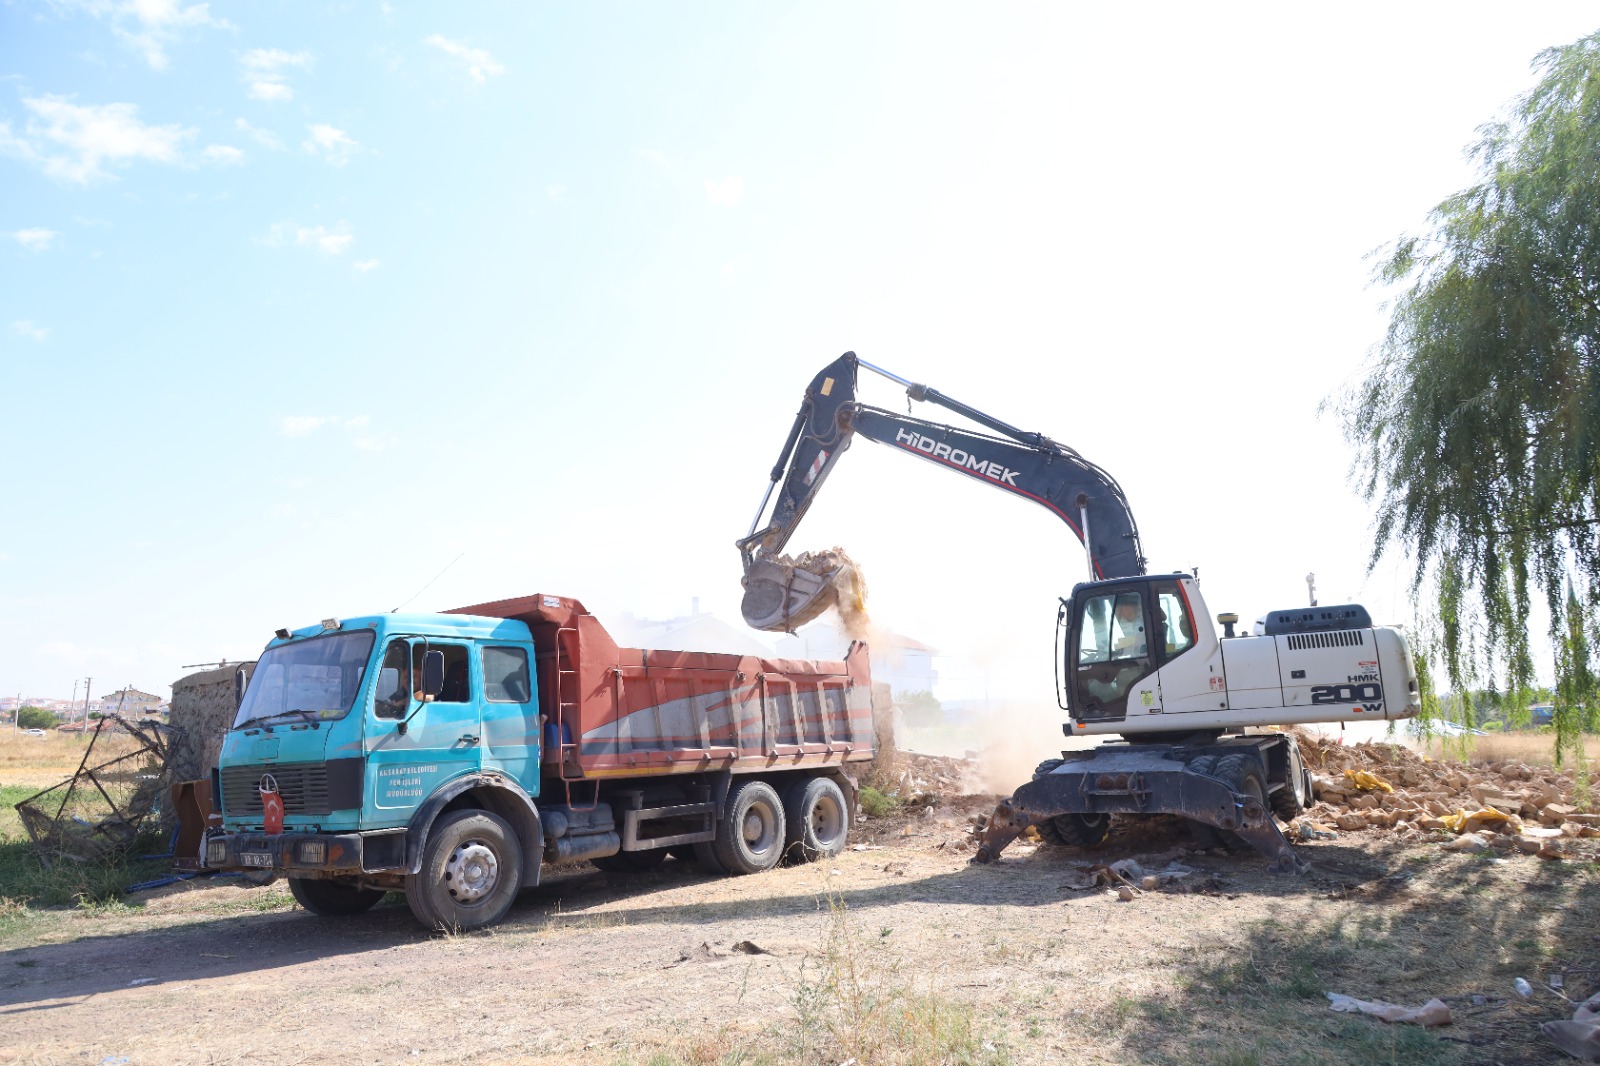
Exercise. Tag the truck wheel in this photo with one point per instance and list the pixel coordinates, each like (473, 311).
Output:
(333, 899)
(631, 862)
(1291, 801)
(1076, 830)
(471, 869)
(705, 853)
(817, 820)
(750, 835)
(1243, 774)
(1046, 766)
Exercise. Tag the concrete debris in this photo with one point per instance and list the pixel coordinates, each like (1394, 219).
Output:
(1508, 805)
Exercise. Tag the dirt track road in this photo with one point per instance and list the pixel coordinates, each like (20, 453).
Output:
(902, 952)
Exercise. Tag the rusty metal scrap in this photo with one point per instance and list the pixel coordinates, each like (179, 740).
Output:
(98, 811)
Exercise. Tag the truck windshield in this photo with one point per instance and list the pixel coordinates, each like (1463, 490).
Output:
(316, 678)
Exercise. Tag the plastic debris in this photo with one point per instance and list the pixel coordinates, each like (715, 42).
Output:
(1524, 989)
(1580, 1037)
(1367, 781)
(1434, 1012)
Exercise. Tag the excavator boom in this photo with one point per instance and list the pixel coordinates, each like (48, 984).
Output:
(779, 594)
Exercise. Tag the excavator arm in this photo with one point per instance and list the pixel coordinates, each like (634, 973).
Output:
(781, 593)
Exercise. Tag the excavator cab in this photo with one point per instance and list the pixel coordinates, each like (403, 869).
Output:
(1115, 634)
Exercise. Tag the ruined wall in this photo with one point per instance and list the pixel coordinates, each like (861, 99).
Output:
(202, 709)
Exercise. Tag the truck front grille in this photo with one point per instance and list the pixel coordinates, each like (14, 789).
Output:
(303, 786)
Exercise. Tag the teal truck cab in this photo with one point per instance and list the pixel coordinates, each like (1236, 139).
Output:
(450, 756)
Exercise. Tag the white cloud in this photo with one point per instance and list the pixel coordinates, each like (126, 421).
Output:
(301, 425)
(327, 241)
(265, 138)
(24, 328)
(365, 266)
(150, 27)
(480, 64)
(306, 425)
(35, 240)
(334, 145)
(725, 193)
(271, 91)
(223, 154)
(73, 142)
(265, 69)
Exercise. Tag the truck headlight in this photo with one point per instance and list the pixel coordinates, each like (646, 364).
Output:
(311, 852)
(216, 852)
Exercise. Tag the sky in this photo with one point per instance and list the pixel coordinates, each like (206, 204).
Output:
(302, 305)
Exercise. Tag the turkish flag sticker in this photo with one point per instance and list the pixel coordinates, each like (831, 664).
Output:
(271, 804)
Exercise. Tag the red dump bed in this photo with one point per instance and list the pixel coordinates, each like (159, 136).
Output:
(619, 712)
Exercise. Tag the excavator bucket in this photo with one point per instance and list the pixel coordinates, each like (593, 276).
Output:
(781, 594)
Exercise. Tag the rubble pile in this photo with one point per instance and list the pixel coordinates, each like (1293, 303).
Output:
(926, 780)
(1483, 804)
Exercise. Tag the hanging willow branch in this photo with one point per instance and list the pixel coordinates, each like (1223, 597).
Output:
(1478, 431)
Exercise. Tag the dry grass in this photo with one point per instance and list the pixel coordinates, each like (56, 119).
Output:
(52, 757)
(1532, 748)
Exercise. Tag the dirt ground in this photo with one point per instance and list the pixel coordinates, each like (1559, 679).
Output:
(897, 951)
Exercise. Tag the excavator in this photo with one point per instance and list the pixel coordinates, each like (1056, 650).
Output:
(1137, 657)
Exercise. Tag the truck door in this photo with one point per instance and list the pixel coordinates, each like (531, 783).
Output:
(441, 737)
(1113, 655)
(510, 714)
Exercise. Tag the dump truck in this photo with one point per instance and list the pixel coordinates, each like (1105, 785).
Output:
(452, 756)
(1136, 654)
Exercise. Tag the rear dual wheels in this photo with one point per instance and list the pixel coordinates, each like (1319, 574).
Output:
(751, 834)
(818, 819)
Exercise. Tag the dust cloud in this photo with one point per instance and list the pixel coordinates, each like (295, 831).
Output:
(1006, 740)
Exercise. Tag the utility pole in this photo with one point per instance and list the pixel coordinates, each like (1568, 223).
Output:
(88, 682)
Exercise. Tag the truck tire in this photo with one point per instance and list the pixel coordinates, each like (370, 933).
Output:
(1291, 801)
(705, 853)
(817, 820)
(1076, 830)
(471, 869)
(1243, 773)
(750, 835)
(631, 862)
(333, 899)
(1046, 766)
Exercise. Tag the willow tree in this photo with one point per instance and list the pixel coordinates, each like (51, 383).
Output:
(1478, 429)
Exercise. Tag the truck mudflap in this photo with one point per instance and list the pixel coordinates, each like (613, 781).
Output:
(1127, 782)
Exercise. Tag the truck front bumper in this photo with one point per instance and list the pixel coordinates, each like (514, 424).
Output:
(303, 854)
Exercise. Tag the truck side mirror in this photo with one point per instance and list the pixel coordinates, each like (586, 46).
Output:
(240, 680)
(433, 673)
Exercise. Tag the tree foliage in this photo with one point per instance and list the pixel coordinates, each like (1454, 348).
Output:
(36, 718)
(1478, 431)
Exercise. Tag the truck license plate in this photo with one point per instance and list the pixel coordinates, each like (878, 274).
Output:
(256, 858)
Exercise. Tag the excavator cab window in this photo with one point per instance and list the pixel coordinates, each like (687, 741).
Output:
(1113, 651)
(1174, 627)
